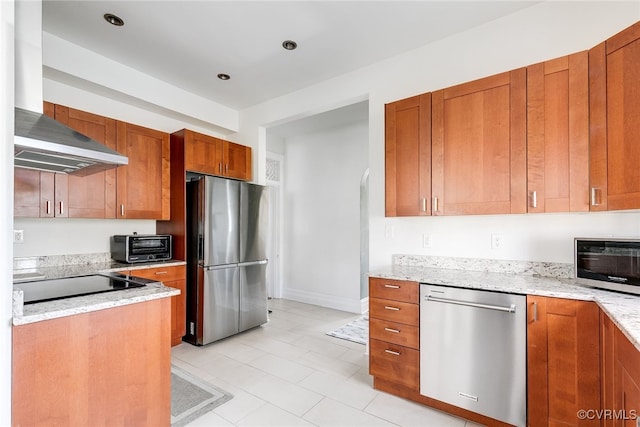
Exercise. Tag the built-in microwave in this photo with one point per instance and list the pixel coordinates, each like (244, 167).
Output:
(612, 264)
(141, 247)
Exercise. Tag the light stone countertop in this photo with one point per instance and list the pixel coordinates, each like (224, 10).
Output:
(623, 309)
(24, 314)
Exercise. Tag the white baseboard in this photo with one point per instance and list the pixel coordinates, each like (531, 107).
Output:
(364, 305)
(324, 300)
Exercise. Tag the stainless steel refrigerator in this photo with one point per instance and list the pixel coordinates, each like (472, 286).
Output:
(226, 258)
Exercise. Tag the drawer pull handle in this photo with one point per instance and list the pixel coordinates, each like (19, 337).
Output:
(395, 331)
(386, 307)
(392, 286)
(395, 353)
(161, 272)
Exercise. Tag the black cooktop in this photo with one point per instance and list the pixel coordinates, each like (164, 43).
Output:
(54, 289)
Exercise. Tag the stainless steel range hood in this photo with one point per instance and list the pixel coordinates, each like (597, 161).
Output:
(43, 143)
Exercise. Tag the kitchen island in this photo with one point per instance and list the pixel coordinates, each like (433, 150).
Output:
(100, 359)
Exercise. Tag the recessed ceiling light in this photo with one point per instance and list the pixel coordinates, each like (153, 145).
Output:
(223, 76)
(113, 19)
(289, 44)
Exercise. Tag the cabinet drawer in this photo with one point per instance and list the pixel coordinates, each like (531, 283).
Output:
(394, 311)
(397, 290)
(395, 362)
(161, 274)
(396, 333)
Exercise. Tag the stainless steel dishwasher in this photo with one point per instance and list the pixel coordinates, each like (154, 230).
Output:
(473, 351)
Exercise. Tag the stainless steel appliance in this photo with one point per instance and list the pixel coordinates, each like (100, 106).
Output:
(473, 351)
(226, 258)
(141, 247)
(612, 264)
(43, 143)
(67, 287)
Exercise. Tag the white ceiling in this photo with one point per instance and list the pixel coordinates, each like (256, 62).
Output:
(187, 43)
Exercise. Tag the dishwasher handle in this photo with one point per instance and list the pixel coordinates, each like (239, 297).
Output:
(510, 309)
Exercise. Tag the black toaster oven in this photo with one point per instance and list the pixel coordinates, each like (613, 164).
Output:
(133, 248)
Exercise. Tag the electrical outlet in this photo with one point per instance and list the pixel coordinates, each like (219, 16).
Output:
(426, 240)
(497, 241)
(18, 236)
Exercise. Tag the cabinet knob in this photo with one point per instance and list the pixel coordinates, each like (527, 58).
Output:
(395, 331)
(48, 207)
(386, 307)
(121, 210)
(392, 286)
(61, 208)
(395, 353)
(435, 204)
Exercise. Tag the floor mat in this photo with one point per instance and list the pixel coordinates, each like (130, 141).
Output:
(356, 331)
(192, 397)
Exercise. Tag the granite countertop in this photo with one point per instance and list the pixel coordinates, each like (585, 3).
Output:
(623, 309)
(24, 314)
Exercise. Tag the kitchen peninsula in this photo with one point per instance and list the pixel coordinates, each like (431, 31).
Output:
(93, 359)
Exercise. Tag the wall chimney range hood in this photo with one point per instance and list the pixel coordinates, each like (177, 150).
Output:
(45, 144)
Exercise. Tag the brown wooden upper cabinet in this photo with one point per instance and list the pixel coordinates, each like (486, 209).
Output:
(614, 86)
(143, 185)
(558, 134)
(479, 146)
(48, 195)
(408, 156)
(215, 156)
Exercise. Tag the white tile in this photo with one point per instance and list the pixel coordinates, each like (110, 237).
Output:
(328, 364)
(282, 368)
(321, 346)
(241, 376)
(210, 419)
(269, 415)
(287, 396)
(237, 350)
(340, 389)
(406, 413)
(332, 413)
(237, 408)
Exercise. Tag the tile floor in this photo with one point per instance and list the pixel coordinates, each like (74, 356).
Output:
(289, 373)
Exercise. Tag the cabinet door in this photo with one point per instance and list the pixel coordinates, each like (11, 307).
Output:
(626, 397)
(408, 157)
(40, 194)
(479, 146)
(173, 277)
(614, 80)
(558, 135)
(143, 185)
(563, 361)
(203, 153)
(93, 196)
(237, 161)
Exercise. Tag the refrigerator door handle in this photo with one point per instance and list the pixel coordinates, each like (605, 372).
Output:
(220, 267)
(248, 263)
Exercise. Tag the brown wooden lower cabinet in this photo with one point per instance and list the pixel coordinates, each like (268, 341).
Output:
(620, 366)
(109, 367)
(173, 277)
(563, 361)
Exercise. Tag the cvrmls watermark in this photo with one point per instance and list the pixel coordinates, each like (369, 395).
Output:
(607, 414)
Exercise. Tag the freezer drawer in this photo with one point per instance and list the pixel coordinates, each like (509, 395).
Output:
(220, 314)
(253, 294)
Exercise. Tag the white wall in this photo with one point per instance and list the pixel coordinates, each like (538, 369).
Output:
(64, 236)
(321, 218)
(6, 208)
(544, 31)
